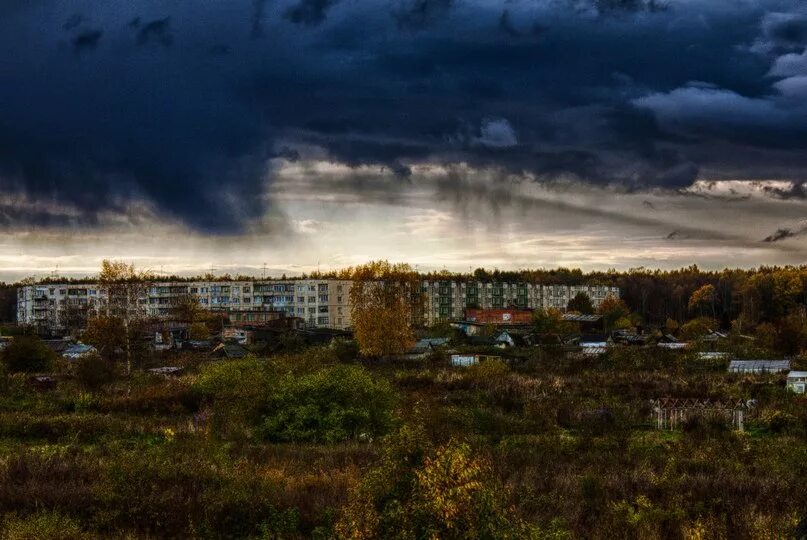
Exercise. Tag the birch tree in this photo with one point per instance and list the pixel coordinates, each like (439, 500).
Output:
(125, 290)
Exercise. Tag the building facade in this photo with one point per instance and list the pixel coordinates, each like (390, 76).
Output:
(447, 300)
(322, 303)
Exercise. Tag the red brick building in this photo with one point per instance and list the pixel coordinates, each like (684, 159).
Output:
(499, 316)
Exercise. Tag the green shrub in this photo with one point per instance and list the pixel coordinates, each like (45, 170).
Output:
(28, 354)
(237, 390)
(93, 372)
(332, 404)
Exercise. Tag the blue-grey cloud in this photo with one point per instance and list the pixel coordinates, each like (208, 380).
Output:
(181, 106)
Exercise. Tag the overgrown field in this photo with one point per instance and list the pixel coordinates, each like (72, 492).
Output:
(318, 445)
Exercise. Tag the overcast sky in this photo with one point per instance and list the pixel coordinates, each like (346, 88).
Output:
(190, 135)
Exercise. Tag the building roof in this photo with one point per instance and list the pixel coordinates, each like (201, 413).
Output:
(759, 365)
(581, 317)
(167, 370)
(77, 350)
(673, 345)
(431, 341)
(230, 350)
(797, 374)
(57, 345)
(592, 338)
(427, 344)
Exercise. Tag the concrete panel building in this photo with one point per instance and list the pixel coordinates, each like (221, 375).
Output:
(322, 303)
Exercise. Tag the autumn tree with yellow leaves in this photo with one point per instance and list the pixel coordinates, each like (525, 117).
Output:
(422, 492)
(125, 287)
(386, 302)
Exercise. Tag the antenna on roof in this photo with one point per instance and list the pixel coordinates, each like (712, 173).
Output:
(263, 276)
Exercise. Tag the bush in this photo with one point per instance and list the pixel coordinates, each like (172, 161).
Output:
(777, 421)
(237, 391)
(28, 354)
(332, 404)
(420, 493)
(488, 371)
(93, 372)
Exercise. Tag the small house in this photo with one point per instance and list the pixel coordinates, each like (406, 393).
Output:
(465, 360)
(759, 366)
(797, 381)
(713, 355)
(593, 340)
(514, 338)
(237, 334)
(79, 350)
(166, 370)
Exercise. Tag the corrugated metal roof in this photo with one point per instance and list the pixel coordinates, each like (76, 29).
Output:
(759, 365)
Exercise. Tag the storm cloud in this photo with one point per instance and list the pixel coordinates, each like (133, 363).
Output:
(181, 107)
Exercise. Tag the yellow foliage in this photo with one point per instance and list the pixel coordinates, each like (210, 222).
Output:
(448, 484)
(385, 300)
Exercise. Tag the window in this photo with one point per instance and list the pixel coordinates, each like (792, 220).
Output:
(301, 299)
(339, 299)
(323, 309)
(246, 290)
(322, 320)
(312, 299)
(323, 298)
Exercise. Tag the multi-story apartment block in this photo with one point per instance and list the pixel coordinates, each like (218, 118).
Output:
(446, 300)
(323, 303)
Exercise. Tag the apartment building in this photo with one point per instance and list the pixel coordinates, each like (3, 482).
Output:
(322, 303)
(446, 300)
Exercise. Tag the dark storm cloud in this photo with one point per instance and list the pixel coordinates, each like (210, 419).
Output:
(417, 14)
(309, 12)
(87, 40)
(73, 21)
(179, 105)
(780, 234)
(157, 31)
(258, 11)
(506, 25)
